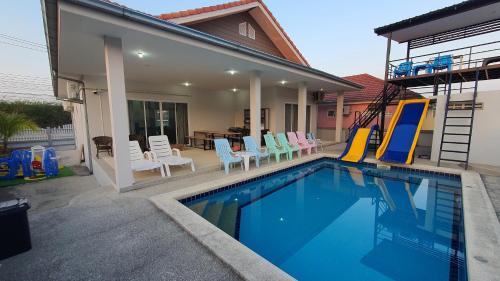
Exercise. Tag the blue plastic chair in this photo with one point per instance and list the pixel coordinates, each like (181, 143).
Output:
(226, 154)
(403, 69)
(442, 62)
(251, 146)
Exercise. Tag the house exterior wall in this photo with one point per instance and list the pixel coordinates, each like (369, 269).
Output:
(228, 28)
(485, 132)
(275, 99)
(327, 127)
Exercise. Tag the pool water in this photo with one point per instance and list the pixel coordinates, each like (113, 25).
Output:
(329, 220)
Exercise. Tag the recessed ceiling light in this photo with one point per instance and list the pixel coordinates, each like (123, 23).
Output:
(234, 90)
(187, 84)
(140, 54)
(232, 71)
(321, 89)
(282, 82)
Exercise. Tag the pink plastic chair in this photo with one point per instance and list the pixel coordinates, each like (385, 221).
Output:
(303, 140)
(294, 141)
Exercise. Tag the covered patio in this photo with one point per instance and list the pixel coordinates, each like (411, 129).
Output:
(137, 74)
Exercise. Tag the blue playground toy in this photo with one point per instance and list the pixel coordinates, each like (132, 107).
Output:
(403, 69)
(23, 163)
(10, 165)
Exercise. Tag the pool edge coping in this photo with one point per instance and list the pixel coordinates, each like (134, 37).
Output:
(482, 230)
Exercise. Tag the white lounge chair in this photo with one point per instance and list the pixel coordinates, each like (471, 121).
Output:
(162, 152)
(138, 161)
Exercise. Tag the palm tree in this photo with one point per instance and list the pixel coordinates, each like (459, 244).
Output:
(13, 123)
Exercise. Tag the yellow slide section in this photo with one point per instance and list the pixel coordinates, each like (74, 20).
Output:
(358, 145)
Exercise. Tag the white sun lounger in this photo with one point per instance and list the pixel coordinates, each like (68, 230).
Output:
(138, 162)
(162, 152)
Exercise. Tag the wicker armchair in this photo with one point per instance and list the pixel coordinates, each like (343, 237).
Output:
(103, 143)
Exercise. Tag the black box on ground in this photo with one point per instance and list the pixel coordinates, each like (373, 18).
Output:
(14, 227)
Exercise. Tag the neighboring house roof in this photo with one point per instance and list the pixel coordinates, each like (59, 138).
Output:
(373, 86)
(275, 31)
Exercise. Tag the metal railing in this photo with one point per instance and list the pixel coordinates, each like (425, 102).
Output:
(463, 58)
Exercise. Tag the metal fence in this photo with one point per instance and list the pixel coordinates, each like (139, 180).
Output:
(60, 138)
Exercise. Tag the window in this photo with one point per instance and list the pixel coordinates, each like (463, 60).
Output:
(243, 28)
(251, 32)
(330, 113)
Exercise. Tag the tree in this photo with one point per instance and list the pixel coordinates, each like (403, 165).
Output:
(43, 114)
(13, 123)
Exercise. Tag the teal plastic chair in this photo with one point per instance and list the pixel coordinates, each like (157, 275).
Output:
(287, 146)
(273, 147)
(226, 154)
(251, 146)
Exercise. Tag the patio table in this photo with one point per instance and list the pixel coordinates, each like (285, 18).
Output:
(212, 134)
(246, 155)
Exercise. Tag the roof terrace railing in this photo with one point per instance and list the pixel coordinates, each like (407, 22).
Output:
(463, 58)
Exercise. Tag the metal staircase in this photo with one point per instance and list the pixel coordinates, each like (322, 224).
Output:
(456, 135)
(375, 107)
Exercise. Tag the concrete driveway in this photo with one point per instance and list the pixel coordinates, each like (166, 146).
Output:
(81, 231)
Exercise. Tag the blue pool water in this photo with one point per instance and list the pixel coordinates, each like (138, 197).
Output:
(329, 220)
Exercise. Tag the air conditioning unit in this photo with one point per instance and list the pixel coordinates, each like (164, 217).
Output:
(346, 110)
(73, 89)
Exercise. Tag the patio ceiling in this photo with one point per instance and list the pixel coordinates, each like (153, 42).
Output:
(170, 59)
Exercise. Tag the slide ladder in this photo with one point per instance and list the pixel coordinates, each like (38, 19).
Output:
(457, 128)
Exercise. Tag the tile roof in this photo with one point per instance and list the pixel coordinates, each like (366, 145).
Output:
(192, 12)
(372, 88)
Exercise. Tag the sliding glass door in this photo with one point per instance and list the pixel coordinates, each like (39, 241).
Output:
(137, 119)
(168, 121)
(149, 118)
(152, 118)
(292, 117)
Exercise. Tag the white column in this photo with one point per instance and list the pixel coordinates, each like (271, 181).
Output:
(118, 111)
(302, 107)
(255, 125)
(339, 117)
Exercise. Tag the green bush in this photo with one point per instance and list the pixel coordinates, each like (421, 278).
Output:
(43, 114)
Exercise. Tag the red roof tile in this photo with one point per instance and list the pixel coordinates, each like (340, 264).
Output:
(192, 12)
(372, 88)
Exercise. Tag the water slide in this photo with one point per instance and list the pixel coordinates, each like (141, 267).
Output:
(401, 137)
(357, 146)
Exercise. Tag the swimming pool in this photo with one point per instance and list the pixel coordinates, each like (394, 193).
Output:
(328, 220)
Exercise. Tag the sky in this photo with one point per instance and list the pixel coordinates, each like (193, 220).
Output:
(335, 36)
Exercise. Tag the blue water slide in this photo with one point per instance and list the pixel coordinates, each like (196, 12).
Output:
(404, 133)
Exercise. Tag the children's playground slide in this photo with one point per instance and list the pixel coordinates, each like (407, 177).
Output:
(357, 146)
(401, 137)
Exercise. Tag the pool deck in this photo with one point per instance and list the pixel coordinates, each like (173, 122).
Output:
(123, 236)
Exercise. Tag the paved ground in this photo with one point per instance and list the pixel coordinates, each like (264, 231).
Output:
(493, 187)
(84, 232)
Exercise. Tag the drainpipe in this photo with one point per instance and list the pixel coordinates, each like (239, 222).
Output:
(91, 170)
